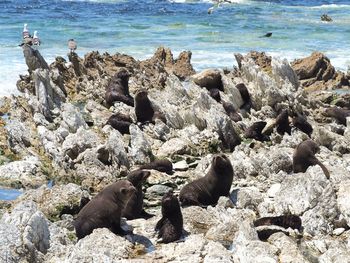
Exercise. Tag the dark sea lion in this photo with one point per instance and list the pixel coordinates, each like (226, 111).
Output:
(118, 89)
(134, 207)
(105, 209)
(215, 94)
(143, 107)
(163, 165)
(207, 189)
(247, 104)
(254, 131)
(231, 112)
(285, 221)
(304, 156)
(338, 114)
(282, 123)
(120, 122)
(170, 226)
(299, 121)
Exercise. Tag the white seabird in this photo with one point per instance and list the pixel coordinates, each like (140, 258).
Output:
(25, 33)
(72, 45)
(36, 39)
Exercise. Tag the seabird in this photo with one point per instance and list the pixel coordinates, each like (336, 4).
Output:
(72, 45)
(25, 33)
(36, 40)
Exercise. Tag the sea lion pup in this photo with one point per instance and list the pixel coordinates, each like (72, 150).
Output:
(300, 122)
(285, 221)
(170, 226)
(118, 89)
(120, 122)
(231, 112)
(255, 131)
(144, 110)
(134, 207)
(304, 156)
(338, 114)
(247, 103)
(282, 123)
(105, 209)
(207, 189)
(215, 94)
(164, 166)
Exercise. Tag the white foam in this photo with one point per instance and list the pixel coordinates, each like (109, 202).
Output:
(330, 6)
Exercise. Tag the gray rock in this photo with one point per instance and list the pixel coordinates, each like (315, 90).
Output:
(140, 150)
(343, 200)
(72, 118)
(19, 136)
(116, 149)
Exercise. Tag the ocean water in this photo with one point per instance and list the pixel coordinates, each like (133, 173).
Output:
(138, 27)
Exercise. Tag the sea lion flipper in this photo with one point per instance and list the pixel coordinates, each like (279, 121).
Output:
(118, 230)
(146, 215)
(159, 224)
(324, 169)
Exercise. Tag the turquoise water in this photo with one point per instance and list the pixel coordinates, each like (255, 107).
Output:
(139, 27)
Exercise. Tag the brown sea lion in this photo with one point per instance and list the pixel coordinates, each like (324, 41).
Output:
(285, 221)
(134, 207)
(105, 209)
(338, 114)
(255, 131)
(207, 189)
(215, 94)
(164, 166)
(304, 156)
(143, 107)
(247, 103)
(120, 122)
(118, 89)
(282, 123)
(231, 112)
(299, 121)
(170, 226)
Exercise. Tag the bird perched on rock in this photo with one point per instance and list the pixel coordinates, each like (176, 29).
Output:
(25, 33)
(72, 45)
(36, 40)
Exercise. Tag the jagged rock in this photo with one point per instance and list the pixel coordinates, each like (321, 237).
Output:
(58, 200)
(100, 246)
(342, 200)
(140, 149)
(116, 150)
(209, 78)
(72, 118)
(33, 59)
(262, 60)
(182, 67)
(26, 173)
(19, 136)
(25, 234)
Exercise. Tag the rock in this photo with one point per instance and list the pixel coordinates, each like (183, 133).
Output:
(72, 118)
(180, 166)
(262, 60)
(116, 150)
(140, 149)
(25, 233)
(182, 67)
(100, 246)
(33, 59)
(19, 137)
(26, 173)
(209, 79)
(343, 200)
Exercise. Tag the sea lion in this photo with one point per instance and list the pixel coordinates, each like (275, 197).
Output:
(215, 94)
(304, 156)
(164, 166)
(255, 131)
(285, 221)
(231, 111)
(134, 207)
(143, 107)
(118, 89)
(282, 123)
(207, 189)
(338, 114)
(120, 122)
(299, 121)
(170, 226)
(105, 209)
(247, 103)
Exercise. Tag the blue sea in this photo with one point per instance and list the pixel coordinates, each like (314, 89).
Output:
(139, 27)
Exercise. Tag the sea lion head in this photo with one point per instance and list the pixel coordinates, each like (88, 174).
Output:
(170, 203)
(141, 94)
(221, 162)
(259, 126)
(312, 146)
(124, 190)
(138, 177)
(122, 74)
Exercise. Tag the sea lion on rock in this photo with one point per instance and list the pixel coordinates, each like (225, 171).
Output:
(120, 122)
(299, 121)
(231, 111)
(282, 123)
(164, 166)
(134, 207)
(170, 226)
(338, 114)
(255, 131)
(247, 103)
(105, 209)
(207, 189)
(144, 110)
(285, 221)
(118, 89)
(215, 94)
(304, 156)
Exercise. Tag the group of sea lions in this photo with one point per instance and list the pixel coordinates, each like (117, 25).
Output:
(124, 198)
